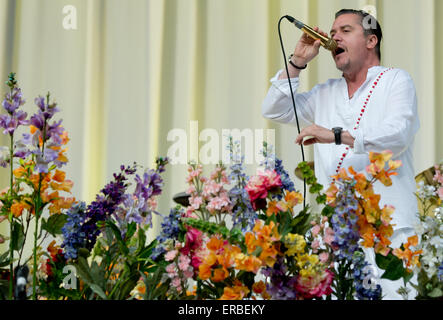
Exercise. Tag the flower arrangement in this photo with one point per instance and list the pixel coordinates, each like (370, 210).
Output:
(238, 237)
(427, 259)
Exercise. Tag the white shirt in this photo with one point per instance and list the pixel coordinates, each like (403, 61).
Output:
(390, 122)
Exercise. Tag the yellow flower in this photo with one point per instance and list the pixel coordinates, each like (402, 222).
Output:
(295, 243)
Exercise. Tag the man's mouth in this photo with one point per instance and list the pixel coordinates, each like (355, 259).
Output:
(338, 51)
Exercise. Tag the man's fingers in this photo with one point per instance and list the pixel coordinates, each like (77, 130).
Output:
(309, 141)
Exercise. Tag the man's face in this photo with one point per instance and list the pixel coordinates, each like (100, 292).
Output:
(348, 32)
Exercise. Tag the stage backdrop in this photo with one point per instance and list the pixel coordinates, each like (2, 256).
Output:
(126, 73)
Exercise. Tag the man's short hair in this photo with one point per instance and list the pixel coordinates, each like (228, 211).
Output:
(369, 23)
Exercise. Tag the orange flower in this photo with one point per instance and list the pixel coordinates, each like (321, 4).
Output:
(237, 292)
(331, 194)
(272, 208)
(204, 271)
(379, 159)
(18, 207)
(411, 258)
(61, 203)
(59, 176)
(248, 263)
(19, 172)
(263, 236)
(214, 244)
(63, 186)
(260, 288)
(220, 274)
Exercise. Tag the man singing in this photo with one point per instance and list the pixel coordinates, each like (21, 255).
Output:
(370, 108)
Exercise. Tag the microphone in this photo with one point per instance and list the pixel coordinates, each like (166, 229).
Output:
(326, 42)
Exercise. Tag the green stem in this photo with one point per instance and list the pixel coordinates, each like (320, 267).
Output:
(38, 208)
(11, 249)
(34, 271)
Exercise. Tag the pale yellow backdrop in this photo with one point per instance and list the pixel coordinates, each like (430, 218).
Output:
(135, 69)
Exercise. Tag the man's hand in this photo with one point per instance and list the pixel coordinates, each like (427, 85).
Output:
(306, 49)
(320, 134)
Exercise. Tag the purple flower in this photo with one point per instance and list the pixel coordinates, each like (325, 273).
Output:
(73, 237)
(13, 100)
(344, 222)
(281, 285)
(10, 122)
(46, 110)
(105, 205)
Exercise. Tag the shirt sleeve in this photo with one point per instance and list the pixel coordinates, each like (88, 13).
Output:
(277, 105)
(401, 123)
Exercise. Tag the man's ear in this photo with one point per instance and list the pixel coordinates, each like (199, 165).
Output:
(371, 41)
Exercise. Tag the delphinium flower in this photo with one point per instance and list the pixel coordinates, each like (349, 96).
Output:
(170, 229)
(344, 222)
(73, 237)
(244, 215)
(105, 205)
(366, 287)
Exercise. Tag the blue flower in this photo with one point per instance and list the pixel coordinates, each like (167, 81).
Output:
(74, 238)
(170, 230)
(344, 222)
(365, 284)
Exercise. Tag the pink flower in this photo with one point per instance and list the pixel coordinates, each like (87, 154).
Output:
(315, 230)
(193, 240)
(316, 286)
(259, 185)
(170, 268)
(183, 262)
(211, 187)
(195, 202)
(171, 255)
(189, 273)
(191, 190)
(329, 236)
(315, 244)
(176, 283)
(324, 256)
(220, 203)
(440, 193)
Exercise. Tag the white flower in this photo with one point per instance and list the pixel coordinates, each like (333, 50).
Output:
(436, 241)
(419, 229)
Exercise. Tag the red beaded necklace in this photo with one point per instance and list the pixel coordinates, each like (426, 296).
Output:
(362, 111)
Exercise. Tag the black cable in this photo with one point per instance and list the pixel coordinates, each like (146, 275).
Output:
(293, 103)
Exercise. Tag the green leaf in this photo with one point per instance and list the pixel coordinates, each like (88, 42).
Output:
(435, 293)
(55, 224)
(132, 227)
(383, 261)
(4, 259)
(18, 236)
(118, 236)
(98, 291)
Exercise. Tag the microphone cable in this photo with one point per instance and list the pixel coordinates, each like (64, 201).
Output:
(293, 102)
